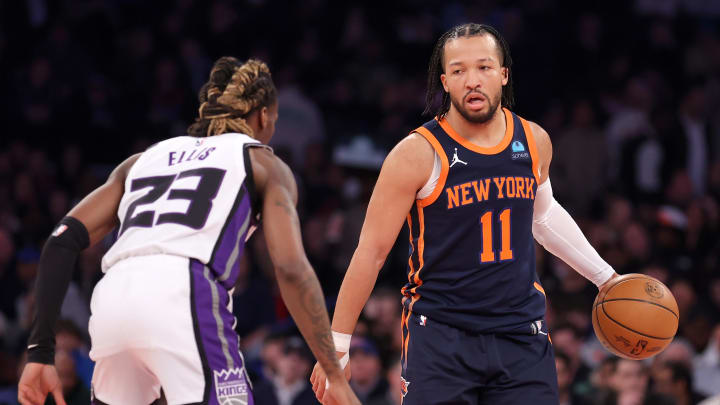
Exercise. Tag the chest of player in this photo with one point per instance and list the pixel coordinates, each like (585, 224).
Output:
(486, 205)
(482, 181)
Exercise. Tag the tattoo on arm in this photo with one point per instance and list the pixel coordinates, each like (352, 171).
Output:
(313, 305)
(305, 300)
(289, 210)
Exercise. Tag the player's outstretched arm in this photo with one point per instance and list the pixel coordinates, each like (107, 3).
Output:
(405, 170)
(298, 283)
(555, 229)
(85, 224)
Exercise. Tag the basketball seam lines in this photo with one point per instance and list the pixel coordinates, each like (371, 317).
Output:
(633, 330)
(603, 333)
(639, 300)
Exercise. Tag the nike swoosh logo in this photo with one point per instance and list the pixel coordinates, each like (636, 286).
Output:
(31, 346)
(542, 333)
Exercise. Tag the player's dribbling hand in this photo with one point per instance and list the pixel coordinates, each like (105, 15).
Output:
(36, 382)
(605, 284)
(318, 378)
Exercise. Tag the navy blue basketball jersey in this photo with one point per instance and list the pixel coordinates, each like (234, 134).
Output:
(472, 254)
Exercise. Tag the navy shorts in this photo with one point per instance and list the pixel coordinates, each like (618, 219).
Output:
(446, 365)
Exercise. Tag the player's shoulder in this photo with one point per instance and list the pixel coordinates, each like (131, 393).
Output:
(542, 139)
(540, 135)
(120, 173)
(410, 162)
(268, 166)
(270, 172)
(542, 142)
(539, 132)
(265, 157)
(414, 146)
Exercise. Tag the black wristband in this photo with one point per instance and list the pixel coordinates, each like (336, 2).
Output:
(55, 269)
(41, 354)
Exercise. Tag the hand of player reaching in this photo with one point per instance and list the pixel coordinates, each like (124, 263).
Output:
(339, 393)
(318, 378)
(36, 382)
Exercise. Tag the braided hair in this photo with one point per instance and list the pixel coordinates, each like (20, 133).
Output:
(436, 68)
(233, 92)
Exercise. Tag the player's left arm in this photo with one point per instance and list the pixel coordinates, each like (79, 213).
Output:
(555, 229)
(87, 223)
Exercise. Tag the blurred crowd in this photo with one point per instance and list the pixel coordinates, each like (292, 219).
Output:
(629, 92)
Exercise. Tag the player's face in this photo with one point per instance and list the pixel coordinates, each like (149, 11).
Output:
(474, 77)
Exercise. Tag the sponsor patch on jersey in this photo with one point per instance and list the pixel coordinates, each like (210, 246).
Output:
(231, 387)
(519, 151)
(59, 230)
(404, 386)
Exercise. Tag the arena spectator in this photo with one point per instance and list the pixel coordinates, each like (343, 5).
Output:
(675, 380)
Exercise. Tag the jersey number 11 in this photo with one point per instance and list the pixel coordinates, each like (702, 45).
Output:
(487, 254)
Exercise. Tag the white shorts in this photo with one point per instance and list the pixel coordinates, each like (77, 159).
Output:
(163, 321)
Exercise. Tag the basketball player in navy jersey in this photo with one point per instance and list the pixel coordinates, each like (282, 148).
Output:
(472, 186)
(184, 209)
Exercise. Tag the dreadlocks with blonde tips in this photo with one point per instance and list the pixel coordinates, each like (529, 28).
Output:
(234, 91)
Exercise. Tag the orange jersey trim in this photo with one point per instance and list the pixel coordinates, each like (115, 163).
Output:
(421, 250)
(406, 333)
(444, 166)
(542, 290)
(412, 246)
(533, 149)
(413, 276)
(421, 247)
(509, 128)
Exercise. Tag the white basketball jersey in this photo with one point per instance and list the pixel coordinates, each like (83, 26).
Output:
(187, 197)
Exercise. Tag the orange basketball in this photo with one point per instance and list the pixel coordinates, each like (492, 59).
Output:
(635, 316)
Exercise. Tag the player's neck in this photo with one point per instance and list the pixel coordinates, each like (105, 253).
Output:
(486, 134)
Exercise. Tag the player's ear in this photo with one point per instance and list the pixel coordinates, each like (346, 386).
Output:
(443, 80)
(264, 118)
(505, 75)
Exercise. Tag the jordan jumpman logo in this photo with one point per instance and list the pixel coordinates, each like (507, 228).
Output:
(456, 159)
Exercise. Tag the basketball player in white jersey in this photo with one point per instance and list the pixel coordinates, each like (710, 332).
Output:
(161, 315)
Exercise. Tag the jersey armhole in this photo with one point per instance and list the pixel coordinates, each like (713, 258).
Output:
(533, 149)
(255, 200)
(444, 166)
(430, 184)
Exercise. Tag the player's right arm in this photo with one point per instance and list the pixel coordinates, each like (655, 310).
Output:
(554, 228)
(88, 222)
(298, 283)
(406, 170)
